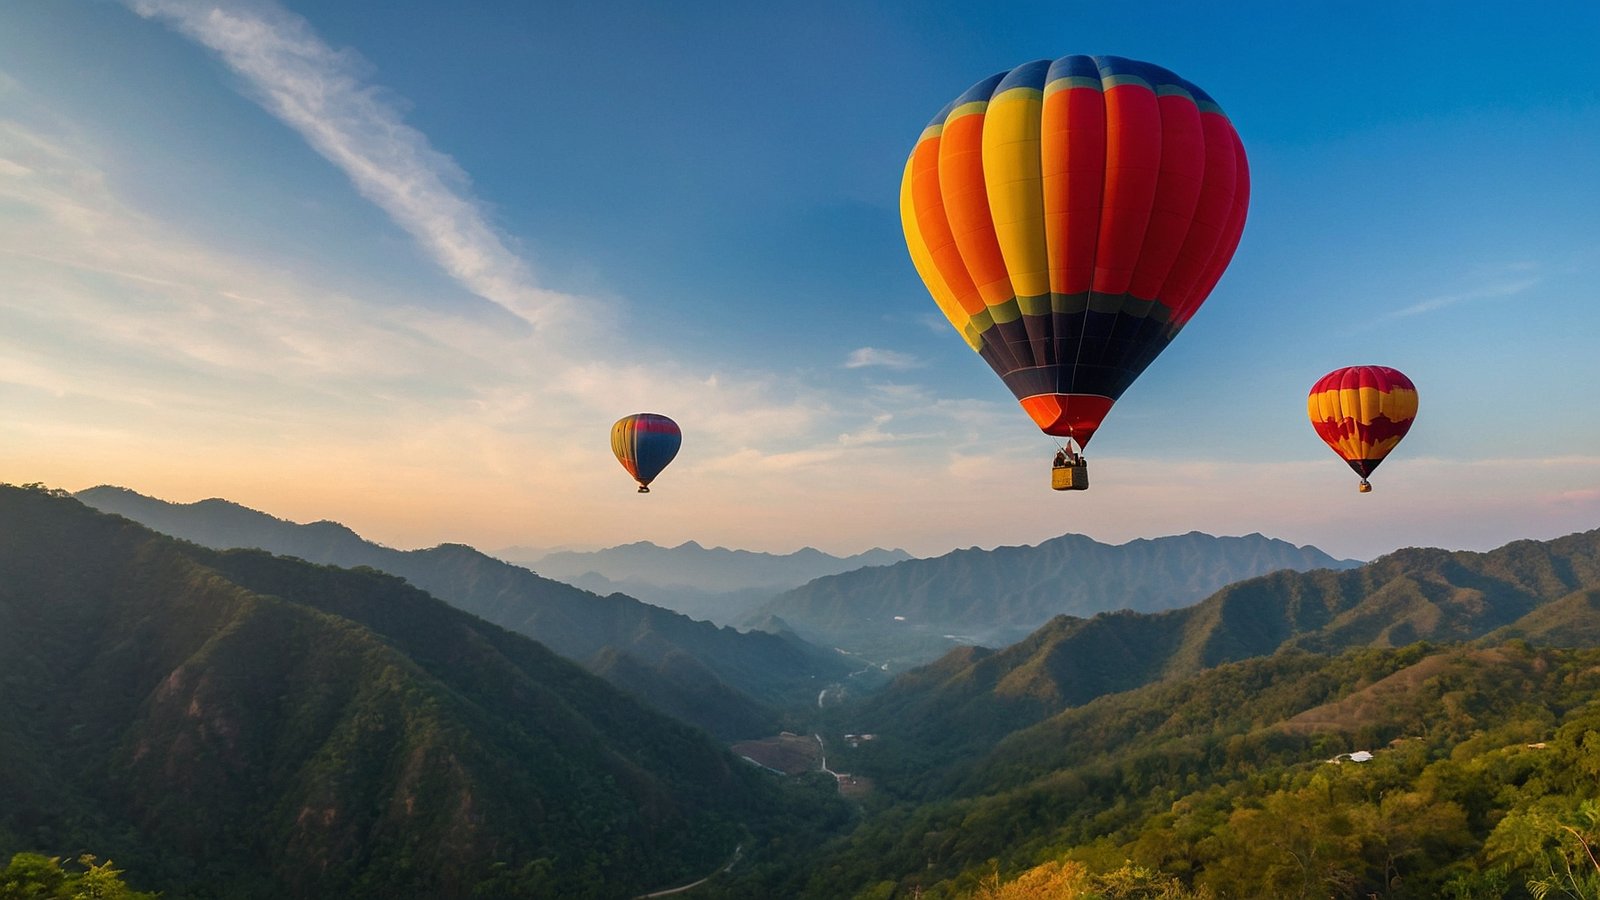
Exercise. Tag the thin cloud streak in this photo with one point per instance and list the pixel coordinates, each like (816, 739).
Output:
(886, 359)
(123, 318)
(318, 92)
(1490, 292)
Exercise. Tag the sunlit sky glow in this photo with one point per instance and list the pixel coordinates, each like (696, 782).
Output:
(402, 264)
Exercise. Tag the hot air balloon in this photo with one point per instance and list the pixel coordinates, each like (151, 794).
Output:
(1362, 412)
(1069, 218)
(644, 443)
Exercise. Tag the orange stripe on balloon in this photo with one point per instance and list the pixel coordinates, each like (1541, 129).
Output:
(928, 202)
(966, 202)
(1068, 415)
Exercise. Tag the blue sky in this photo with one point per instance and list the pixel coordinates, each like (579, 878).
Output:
(401, 264)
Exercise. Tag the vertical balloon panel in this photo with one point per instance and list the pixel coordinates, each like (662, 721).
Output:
(644, 443)
(1069, 216)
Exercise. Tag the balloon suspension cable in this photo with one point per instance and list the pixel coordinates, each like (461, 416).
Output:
(1068, 448)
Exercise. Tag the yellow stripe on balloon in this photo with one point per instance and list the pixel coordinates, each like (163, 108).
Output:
(1363, 406)
(1400, 404)
(1013, 179)
(1367, 404)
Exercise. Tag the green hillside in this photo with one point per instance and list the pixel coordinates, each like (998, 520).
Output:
(233, 724)
(1222, 784)
(740, 678)
(914, 610)
(967, 701)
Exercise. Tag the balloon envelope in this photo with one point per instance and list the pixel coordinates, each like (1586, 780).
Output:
(1362, 412)
(1068, 218)
(644, 443)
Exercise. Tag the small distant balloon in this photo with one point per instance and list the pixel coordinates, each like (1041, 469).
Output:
(645, 443)
(1362, 412)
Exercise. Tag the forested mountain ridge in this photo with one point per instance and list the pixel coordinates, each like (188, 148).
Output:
(690, 565)
(750, 670)
(996, 597)
(236, 724)
(713, 583)
(1532, 589)
(1478, 782)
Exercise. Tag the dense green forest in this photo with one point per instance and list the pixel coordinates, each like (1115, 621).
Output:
(1483, 782)
(728, 682)
(32, 876)
(234, 724)
(1187, 753)
(972, 698)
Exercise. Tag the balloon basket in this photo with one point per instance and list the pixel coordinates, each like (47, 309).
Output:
(643, 489)
(1070, 478)
(1364, 487)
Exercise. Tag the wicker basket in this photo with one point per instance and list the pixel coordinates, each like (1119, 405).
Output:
(1070, 478)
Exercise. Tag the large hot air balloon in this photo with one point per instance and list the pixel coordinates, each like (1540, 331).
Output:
(644, 443)
(1069, 217)
(1362, 412)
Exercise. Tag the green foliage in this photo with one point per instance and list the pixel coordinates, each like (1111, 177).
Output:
(723, 680)
(245, 725)
(935, 718)
(1070, 880)
(33, 876)
(242, 725)
(1483, 762)
(1553, 837)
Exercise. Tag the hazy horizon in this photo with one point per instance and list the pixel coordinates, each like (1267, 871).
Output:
(401, 266)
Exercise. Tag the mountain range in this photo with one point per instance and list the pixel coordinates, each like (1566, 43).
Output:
(1545, 592)
(730, 683)
(1409, 773)
(917, 609)
(231, 723)
(1193, 746)
(711, 583)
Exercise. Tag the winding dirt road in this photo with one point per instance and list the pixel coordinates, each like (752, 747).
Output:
(694, 884)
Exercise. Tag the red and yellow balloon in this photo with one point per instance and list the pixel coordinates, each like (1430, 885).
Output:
(1362, 412)
(1069, 217)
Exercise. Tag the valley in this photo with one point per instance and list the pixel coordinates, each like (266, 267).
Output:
(624, 450)
(1151, 740)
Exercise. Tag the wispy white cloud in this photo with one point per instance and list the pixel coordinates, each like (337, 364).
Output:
(130, 327)
(325, 96)
(1495, 291)
(88, 275)
(873, 433)
(135, 348)
(320, 93)
(865, 357)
